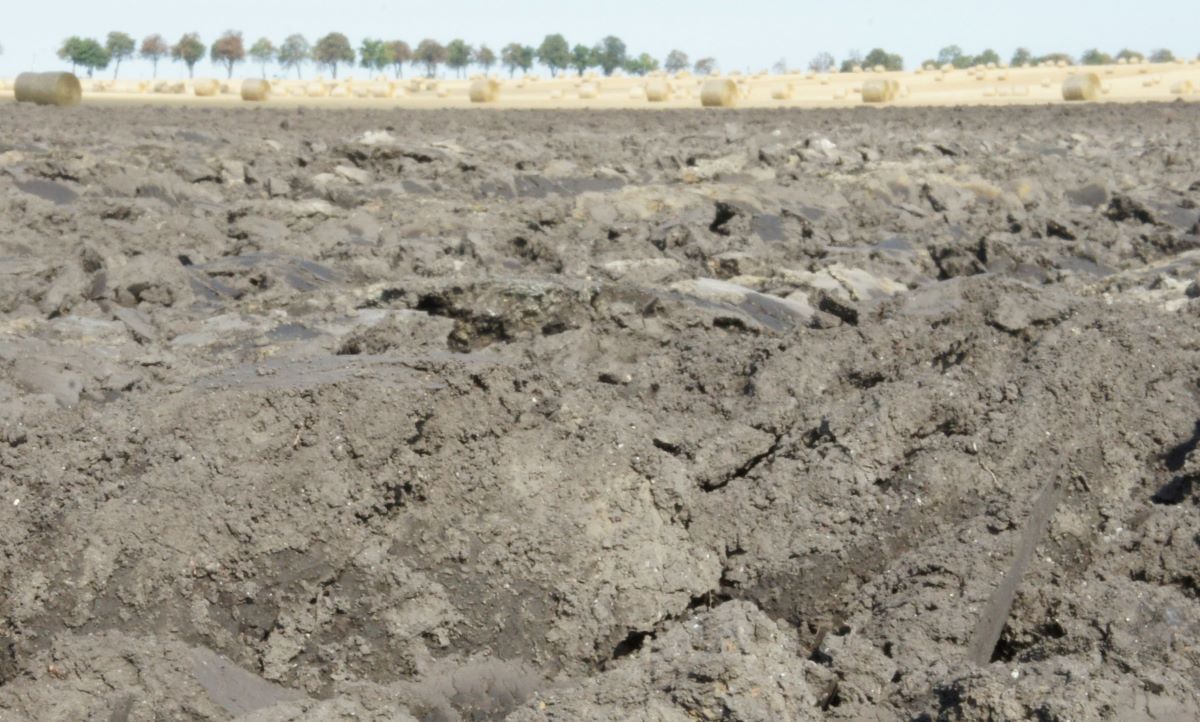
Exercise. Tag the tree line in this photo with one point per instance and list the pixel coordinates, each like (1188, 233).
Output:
(334, 51)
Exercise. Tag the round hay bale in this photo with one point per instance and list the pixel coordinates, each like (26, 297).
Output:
(484, 91)
(1122, 61)
(256, 90)
(948, 68)
(143, 86)
(442, 92)
(990, 66)
(1106, 88)
(857, 69)
(415, 86)
(682, 75)
(839, 94)
(1061, 63)
(1021, 90)
(989, 92)
(939, 78)
(383, 90)
(556, 95)
(1183, 87)
(361, 91)
(1045, 82)
(1003, 91)
(205, 87)
(856, 89)
(1084, 86)
(879, 91)
(637, 92)
(824, 80)
(61, 89)
(316, 90)
(588, 91)
(719, 93)
(880, 69)
(339, 91)
(658, 90)
(781, 92)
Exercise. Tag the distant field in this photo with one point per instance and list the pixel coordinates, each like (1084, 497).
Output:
(997, 86)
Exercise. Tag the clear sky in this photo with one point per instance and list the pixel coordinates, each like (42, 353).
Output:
(746, 35)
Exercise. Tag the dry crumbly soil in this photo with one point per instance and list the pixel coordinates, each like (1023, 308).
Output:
(761, 415)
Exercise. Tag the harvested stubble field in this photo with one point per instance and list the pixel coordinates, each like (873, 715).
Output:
(759, 415)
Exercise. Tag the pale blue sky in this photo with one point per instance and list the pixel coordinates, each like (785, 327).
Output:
(746, 35)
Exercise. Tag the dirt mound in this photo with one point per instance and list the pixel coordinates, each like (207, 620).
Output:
(440, 416)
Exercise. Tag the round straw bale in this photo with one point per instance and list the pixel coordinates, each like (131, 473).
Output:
(339, 91)
(442, 92)
(484, 91)
(361, 91)
(880, 69)
(383, 90)
(948, 67)
(989, 92)
(205, 87)
(839, 94)
(1106, 88)
(781, 92)
(1122, 61)
(719, 93)
(658, 90)
(60, 89)
(1045, 82)
(879, 91)
(556, 94)
(637, 92)
(1061, 63)
(824, 80)
(939, 78)
(682, 75)
(316, 90)
(1003, 91)
(588, 91)
(991, 66)
(256, 90)
(1183, 87)
(856, 89)
(143, 86)
(1084, 86)
(856, 69)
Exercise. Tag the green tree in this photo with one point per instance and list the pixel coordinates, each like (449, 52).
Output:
(528, 56)
(953, 55)
(641, 65)
(1095, 57)
(294, 53)
(853, 59)
(154, 48)
(120, 47)
(400, 53)
(84, 52)
(1130, 55)
(458, 56)
(555, 54)
(822, 63)
(677, 62)
(263, 51)
(879, 56)
(1022, 57)
(431, 54)
(1162, 55)
(333, 50)
(485, 58)
(581, 58)
(611, 54)
(705, 66)
(374, 55)
(988, 56)
(510, 57)
(189, 50)
(228, 50)
(1057, 58)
